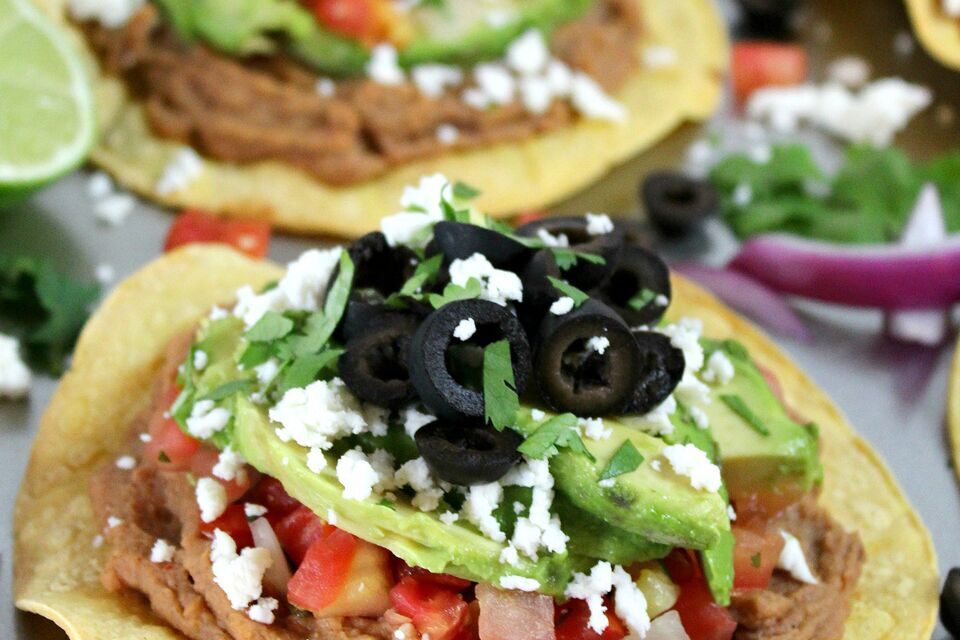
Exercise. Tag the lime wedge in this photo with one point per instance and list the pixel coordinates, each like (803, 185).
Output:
(46, 104)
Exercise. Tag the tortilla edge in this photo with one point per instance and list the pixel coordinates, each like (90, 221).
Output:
(939, 34)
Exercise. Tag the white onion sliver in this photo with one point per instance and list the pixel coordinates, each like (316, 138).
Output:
(666, 627)
(278, 574)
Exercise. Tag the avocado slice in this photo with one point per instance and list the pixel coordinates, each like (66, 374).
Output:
(591, 537)
(659, 507)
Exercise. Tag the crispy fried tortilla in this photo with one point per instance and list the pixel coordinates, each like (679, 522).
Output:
(938, 32)
(524, 175)
(953, 411)
(57, 568)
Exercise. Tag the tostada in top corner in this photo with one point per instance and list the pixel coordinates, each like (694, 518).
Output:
(315, 114)
(453, 429)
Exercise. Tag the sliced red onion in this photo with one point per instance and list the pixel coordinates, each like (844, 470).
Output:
(514, 615)
(667, 627)
(888, 277)
(278, 573)
(747, 295)
(925, 228)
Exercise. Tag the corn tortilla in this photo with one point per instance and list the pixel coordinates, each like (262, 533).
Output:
(517, 176)
(57, 567)
(938, 33)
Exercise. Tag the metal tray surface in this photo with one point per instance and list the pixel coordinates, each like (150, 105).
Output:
(893, 394)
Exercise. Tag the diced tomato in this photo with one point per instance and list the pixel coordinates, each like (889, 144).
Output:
(249, 236)
(342, 575)
(169, 447)
(270, 493)
(525, 217)
(573, 618)
(702, 617)
(445, 580)
(755, 509)
(298, 530)
(202, 465)
(754, 558)
(233, 521)
(352, 18)
(765, 64)
(439, 612)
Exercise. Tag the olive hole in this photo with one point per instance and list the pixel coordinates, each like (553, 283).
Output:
(465, 359)
(384, 363)
(583, 368)
(622, 286)
(681, 194)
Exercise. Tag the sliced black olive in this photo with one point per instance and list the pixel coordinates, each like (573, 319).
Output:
(661, 367)
(374, 363)
(366, 308)
(468, 452)
(583, 274)
(448, 372)
(572, 375)
(379, 266)
(459, 240)
(950, 603)
(770, 19)
(634, 287)
(538, 292)
(677, 204)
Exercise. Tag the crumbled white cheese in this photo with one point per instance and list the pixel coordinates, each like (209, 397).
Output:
(536, 94)
(550, 240)
(497, 285)
(629, 602)
(659, 56)
(685, 335)
(607, 483)
(319, 414)
(417, 475)
(240, 576)
(113, 521)
(105, 274)
(110, 13)
(162, 551)
(185, 167)
(699, 416)
(661, 300)
(447, 134)
(326, 87)
(413, 419)
(589, 98)
(267, 371)
(496, 83)
(594, 428)
(262, 610)
(97, 541)
(478, 508)
(113, 209)
(200, 360)
(362, 475)
(719, 368)
(598, 344)
(145, 437)
(528, 54)
(302, 287)
(850, 71)
(332, 517)
(731, 514)
(99, 185)
(873, 115)
(384, 66)
(449, 517)
(655, 465)
(499, 17)
(465, 329)
(742, 194)
(206, 419)
(538, 529)
(126, 462)
(793, 561)
(422, 208)
(688, 460)
(316, 460)
(230, 465)
(598, 224)
(562, 306)
(211, 499)
(15, 377)
(251, 510)
(538, 415)
(519, 583)
(432, 80)
(658, 418)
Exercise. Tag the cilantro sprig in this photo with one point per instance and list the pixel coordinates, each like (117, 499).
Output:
(500, 400)
(624, 460)
(736, 404)
(559, 432)
(567, 289)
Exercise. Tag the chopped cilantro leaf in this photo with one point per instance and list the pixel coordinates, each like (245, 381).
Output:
(499, 388)
(271, 326)
(255, 354)
(453, 292)
(462, 190)
(739, 407)
(643, 298)
(163, 457)
(624, 460)
(305, 369)
(320, 326)
(559, 432)
(425, 273)
(227, 389)
(756, 559)
(567, 258)
(389, 504)
(567, 289)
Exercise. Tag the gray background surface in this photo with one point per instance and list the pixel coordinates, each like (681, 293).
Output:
(894, 395)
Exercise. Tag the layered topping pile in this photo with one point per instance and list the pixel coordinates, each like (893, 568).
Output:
(346, 102)
(453, 428)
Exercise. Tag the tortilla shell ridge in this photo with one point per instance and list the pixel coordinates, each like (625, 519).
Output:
(517, 176)
(938, 33)
(57, 568)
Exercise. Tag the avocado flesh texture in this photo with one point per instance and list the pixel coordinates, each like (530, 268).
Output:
(591, 537)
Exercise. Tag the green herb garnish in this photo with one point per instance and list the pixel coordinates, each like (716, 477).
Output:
(462, 190)
(271, 326)
(568, 258)
(559, 432)
(425, 273)
(641, 299)
(624, 460)
(739, 407)
(389, 504)
(500, 401)
(305, 369)
(755, 560)
(228, 389)
(567, 289)
(453, 292)
(163, 457)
